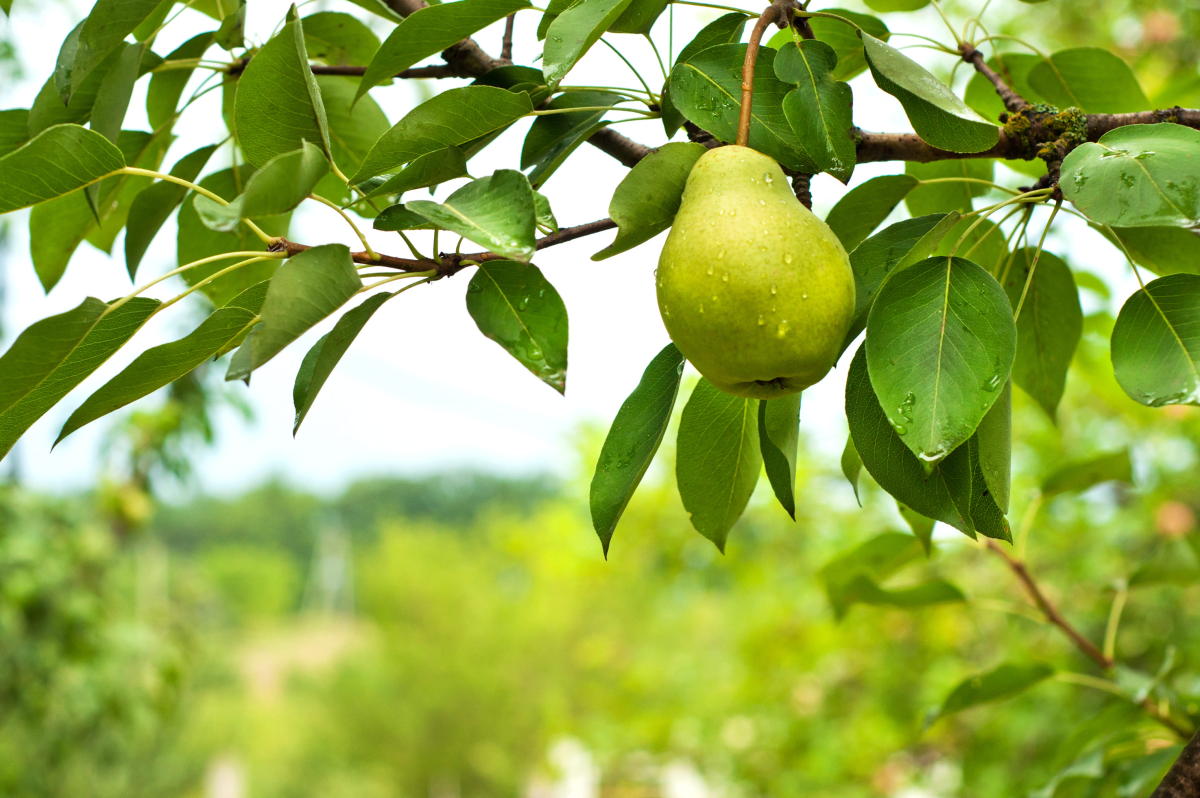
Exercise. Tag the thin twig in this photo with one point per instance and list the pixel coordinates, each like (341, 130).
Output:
(760, 27)
(507, 43)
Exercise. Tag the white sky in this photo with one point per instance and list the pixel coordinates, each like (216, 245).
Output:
(421, 389)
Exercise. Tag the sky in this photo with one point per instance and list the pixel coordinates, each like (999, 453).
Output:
(421, 389)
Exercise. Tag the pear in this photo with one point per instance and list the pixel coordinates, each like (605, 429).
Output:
(755, 290)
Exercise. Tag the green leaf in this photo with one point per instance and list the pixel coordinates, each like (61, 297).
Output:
(864, 208)
(57, 228)
(430, 169)
(150, 24)
(544, 214)
(632, 441)
(104, 30)
(160, 366)
(946, 197)
(1162, 250)
(14, 130)
(282, 184)
(717, 459)
(1080, 475)
(896, 5)
(397, 217)
(49, 109)
(647, 199)
(1048, 329)
(60, 160)
(379, 7)
(779, 437)
(1014, 68)
(54, 355)
(942, 341)
(554, 137)
(112, 98)
(195, 241)
(906, 242)
(515, 306)
(1156, 342)
(430, 30)
(845, 41)
(819, 109)
(496, 212)
(574, 32)
(707, 89)
(1005, 681)
(984, 245)
(1090, 78)
(852, 467)
(1137, 176)
(339, 39)
(853, 576)
(922, 527)
(1173, 562)
(353, 130)
(155, 204)
(321, 360)
(938, 116)
(953, 493)
(278, 104)
(306, 289)
(864, 590)
(640, 16)
(232, 33)
(449, 119)
(995, 448)
(165, 89)
(722, 30)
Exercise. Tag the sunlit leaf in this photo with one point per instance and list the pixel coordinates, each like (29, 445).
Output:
(778, 437)
(819, 109)
(1090, 78)
(1005, 681)
(1081, 475)
(60, 160)
(497, 212)
(574, 32)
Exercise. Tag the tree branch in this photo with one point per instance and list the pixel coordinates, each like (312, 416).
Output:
(1183, 779)
(1012, 101)
(506, 43)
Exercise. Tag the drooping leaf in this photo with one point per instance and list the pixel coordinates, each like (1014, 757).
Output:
(707, 89)
(428, 170)
(639, 16)
(339, 39)
(104, 30)
(116, 89)
(1081, 475)
(48, 108)
(995, 448)
(278, 103)
(553, 137)
(632, 441)
(942, 342)
(779, 437)
(160, 366)
(232, 33)
(937, 115)
(282, 184)
(647, 199)
(57, 228)
(954, 493)
(195, 241)
(544, 214)
(717, 459)
(496, 212)
(854, 576)
(1137, 176)
(946, 197)
(430, 30)
(864, 590)
(852, 466)
(902, 243)
(449, 119)
(307, 289)
(1090, 78)
(165, 89)
(1156, 342)
(60, 160)
(574, 32)
(155, 204)
(864, 207)
(1049, 327)
(353, 130)
(1005, 681)
(922, 527)
(819, 109)
(321, 360)
(1162, 250)
(56, 354)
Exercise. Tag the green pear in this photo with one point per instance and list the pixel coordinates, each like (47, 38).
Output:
(755, 290)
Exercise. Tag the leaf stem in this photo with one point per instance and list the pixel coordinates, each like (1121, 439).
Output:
(661, 67)
(1036, 256)
(429, 275)
(993, 229)
(984, 213)
(632, 68)
(186, 267)
(552, 111)
(760, 27)
(1114, 619)
(937, 6)
(366, 244)
(133, 170)
(713, 5)
(211, 277)
(989, 183)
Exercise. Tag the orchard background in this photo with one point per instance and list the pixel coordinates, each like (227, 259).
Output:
(292, 640)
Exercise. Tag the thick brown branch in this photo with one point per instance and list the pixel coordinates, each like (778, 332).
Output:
(612, 143)
(1048, 609)
(1183, 779)
(1099, 124)
(1012, 101)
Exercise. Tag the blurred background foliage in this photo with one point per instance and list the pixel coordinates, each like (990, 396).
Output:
(461, 634)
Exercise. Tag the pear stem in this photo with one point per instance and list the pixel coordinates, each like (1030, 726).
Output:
(760, 27)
